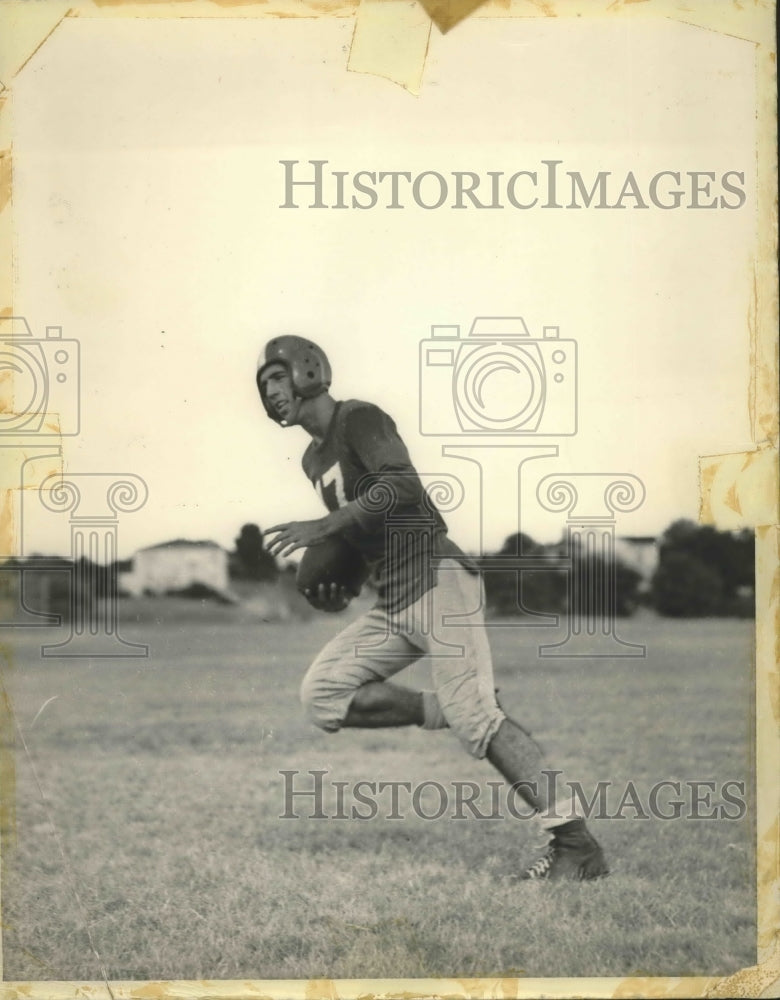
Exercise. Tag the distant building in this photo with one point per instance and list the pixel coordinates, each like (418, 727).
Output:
(175, 565)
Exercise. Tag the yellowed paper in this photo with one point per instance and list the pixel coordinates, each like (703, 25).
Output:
(168, 218)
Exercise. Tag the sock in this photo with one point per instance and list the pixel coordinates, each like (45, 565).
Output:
(565, 809)
(433, 717)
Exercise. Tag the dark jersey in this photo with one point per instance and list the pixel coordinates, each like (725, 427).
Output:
(362, 463)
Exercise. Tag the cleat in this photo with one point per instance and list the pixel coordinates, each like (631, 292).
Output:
(572, 854)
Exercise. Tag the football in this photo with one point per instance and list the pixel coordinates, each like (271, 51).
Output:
(332, 561)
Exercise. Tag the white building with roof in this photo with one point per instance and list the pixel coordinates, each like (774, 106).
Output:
(176, 565)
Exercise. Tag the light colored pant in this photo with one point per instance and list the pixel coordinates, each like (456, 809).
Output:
(378, 645)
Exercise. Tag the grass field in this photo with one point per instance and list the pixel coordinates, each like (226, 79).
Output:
(159, 832)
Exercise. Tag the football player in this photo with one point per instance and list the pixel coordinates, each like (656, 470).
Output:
(355, 461)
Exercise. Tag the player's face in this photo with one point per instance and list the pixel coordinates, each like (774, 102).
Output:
(276, 387)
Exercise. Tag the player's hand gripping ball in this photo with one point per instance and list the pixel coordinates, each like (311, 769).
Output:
(330, 574)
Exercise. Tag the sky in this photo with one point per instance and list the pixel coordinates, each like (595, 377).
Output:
(147, 193)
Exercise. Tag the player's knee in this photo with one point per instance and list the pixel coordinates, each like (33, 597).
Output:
(475, 732)
(318, 702)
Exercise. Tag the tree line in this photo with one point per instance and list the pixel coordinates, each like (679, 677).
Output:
(700, 572)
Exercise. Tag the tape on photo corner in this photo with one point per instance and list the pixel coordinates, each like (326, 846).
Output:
(391, 41)
(739, 491)
(391, 38)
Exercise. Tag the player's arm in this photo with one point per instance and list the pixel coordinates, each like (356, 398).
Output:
(373, 438)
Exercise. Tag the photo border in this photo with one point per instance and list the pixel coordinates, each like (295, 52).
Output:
(400, 56)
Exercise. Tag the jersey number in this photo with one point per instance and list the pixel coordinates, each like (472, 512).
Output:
(330, 487)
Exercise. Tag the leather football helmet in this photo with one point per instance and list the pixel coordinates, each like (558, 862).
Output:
(307, 364)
